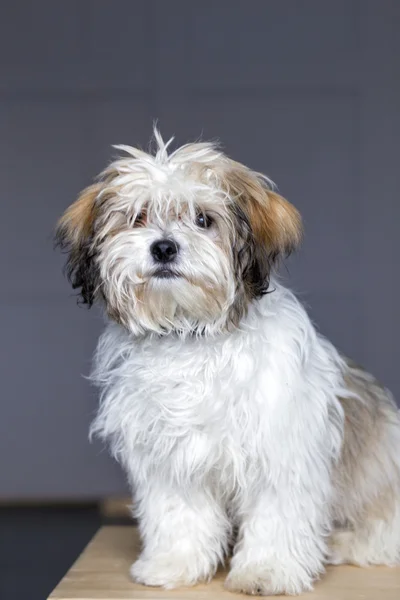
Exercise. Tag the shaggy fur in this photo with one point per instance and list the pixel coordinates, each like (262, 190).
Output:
(237, 423)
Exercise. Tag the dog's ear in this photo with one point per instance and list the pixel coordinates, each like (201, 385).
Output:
(274, 222)
(269, 226)
(74, 234)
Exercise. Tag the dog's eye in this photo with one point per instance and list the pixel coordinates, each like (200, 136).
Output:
(140, 220)
(204, 221)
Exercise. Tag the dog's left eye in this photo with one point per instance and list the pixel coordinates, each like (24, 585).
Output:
(204, 221)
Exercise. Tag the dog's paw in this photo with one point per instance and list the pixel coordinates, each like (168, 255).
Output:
(340, 548)
(168, 571)
(265, 580)
(346, 547)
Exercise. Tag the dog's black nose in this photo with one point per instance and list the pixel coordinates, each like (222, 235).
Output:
(164, 251)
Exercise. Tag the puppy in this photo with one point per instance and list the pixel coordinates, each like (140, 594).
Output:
(238, 425)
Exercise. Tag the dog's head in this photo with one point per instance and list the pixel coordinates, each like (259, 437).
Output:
(176, 242)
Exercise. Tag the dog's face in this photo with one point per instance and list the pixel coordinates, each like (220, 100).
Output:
(180, 242)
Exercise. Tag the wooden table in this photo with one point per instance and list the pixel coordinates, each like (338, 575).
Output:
(102, 573)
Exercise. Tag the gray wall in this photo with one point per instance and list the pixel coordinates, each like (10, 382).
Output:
(307, 91)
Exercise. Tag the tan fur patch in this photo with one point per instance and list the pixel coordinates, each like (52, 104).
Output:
(367, 477)
(274, 221)
(77, 221)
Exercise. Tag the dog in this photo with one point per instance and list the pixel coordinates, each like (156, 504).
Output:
(241, 429)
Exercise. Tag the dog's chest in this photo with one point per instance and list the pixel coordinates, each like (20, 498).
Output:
(194, 404)
(193, 385)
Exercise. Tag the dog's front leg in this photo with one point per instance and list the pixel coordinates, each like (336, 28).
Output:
(184, 535)
(281, 543)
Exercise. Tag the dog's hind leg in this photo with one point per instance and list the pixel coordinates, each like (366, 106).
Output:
(367, 478)
(374, 542)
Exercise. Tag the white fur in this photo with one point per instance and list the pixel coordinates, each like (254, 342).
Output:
(225, 406)
(172, 188)
(241, 429)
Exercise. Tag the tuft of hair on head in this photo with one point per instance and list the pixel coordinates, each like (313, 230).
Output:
(162, 147)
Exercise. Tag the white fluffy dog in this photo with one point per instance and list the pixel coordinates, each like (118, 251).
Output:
(239, 426)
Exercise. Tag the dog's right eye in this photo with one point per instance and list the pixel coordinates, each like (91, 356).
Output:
(140, 220)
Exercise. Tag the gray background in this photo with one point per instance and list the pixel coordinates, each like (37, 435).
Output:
(307, 91)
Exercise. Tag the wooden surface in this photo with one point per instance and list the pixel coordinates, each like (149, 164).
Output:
(116, 508)
(102, 573)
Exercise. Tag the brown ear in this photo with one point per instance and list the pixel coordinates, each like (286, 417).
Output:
(76, 223)
(74, 235)
(275, 223)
